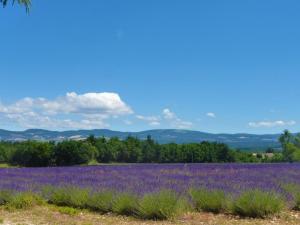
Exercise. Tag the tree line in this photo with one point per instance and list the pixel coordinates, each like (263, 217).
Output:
(290, 146)
(102, 150)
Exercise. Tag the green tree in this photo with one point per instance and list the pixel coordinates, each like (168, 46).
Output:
(297, 140)
(133, 147)
(286, 139)
(26, 3)
(104, 154)
(92, 140)
(68, 153)
(33, 154)
(149, 151)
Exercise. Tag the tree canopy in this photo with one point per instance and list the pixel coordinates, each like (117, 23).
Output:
(26, 3)
(290, 146)
(130, 150)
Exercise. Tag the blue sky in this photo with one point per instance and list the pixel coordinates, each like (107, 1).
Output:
(215, 66)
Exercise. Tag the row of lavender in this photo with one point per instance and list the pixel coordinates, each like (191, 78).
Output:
(145, 178)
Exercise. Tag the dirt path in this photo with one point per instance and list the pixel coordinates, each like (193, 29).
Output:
(48, 215)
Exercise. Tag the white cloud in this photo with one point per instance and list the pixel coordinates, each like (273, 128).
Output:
(168, 115)
(151, 120)
(174, 121)
(277, 123)
(211, 114)
(89, 103)
(73, 111)
(154, 123)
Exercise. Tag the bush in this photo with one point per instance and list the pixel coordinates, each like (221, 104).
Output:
(208, 200)
(5, 197)
(68, 211)
(161, 206)
(294, 190)
(101, 201)
(257, 204)
(125, 204)
(68, 196)
(24, 201)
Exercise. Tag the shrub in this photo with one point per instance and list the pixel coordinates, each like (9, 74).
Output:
(257, 203)
(125, 204)
(162, 205)
(208, 200)
(5, 197)
(24, 201)
(101, 201)
(69, 196)
(294, 190)
(68, 211)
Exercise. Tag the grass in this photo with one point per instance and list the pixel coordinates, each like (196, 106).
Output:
(101, 201)
(161, 206)
(5, 197)
(68, 196)
(294, 191)
(257, 204)
(68, 211)
(24, 200)
(125, 204)
(208, 200)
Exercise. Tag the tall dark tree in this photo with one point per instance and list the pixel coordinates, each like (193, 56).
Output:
(286, 140)
(26, 3)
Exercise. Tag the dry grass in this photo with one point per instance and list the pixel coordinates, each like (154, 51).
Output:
(51, 215)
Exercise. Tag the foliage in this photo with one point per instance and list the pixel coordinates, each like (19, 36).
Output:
(68, 211)
(257, 204)
(32, 154)
(68, 153)
(130, 150)
(125, 204)
(5, 196)
(68, 196)
(101, 201)
(294, 191)
(208, 200)
(24, 201)
(162, 205)
(290, 146)
(26, 3)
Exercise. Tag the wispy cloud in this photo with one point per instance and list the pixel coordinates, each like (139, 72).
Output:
(174, 121)
(211, 115)
(277, 123)
(151, 120)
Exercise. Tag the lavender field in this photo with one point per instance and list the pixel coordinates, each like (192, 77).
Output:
(145, 178)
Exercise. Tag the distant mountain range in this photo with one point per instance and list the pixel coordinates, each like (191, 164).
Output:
(242, 141)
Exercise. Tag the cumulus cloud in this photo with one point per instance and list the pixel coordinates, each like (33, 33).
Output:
(174, 121)
(86, 111)
(211, 114)
(269, 124)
